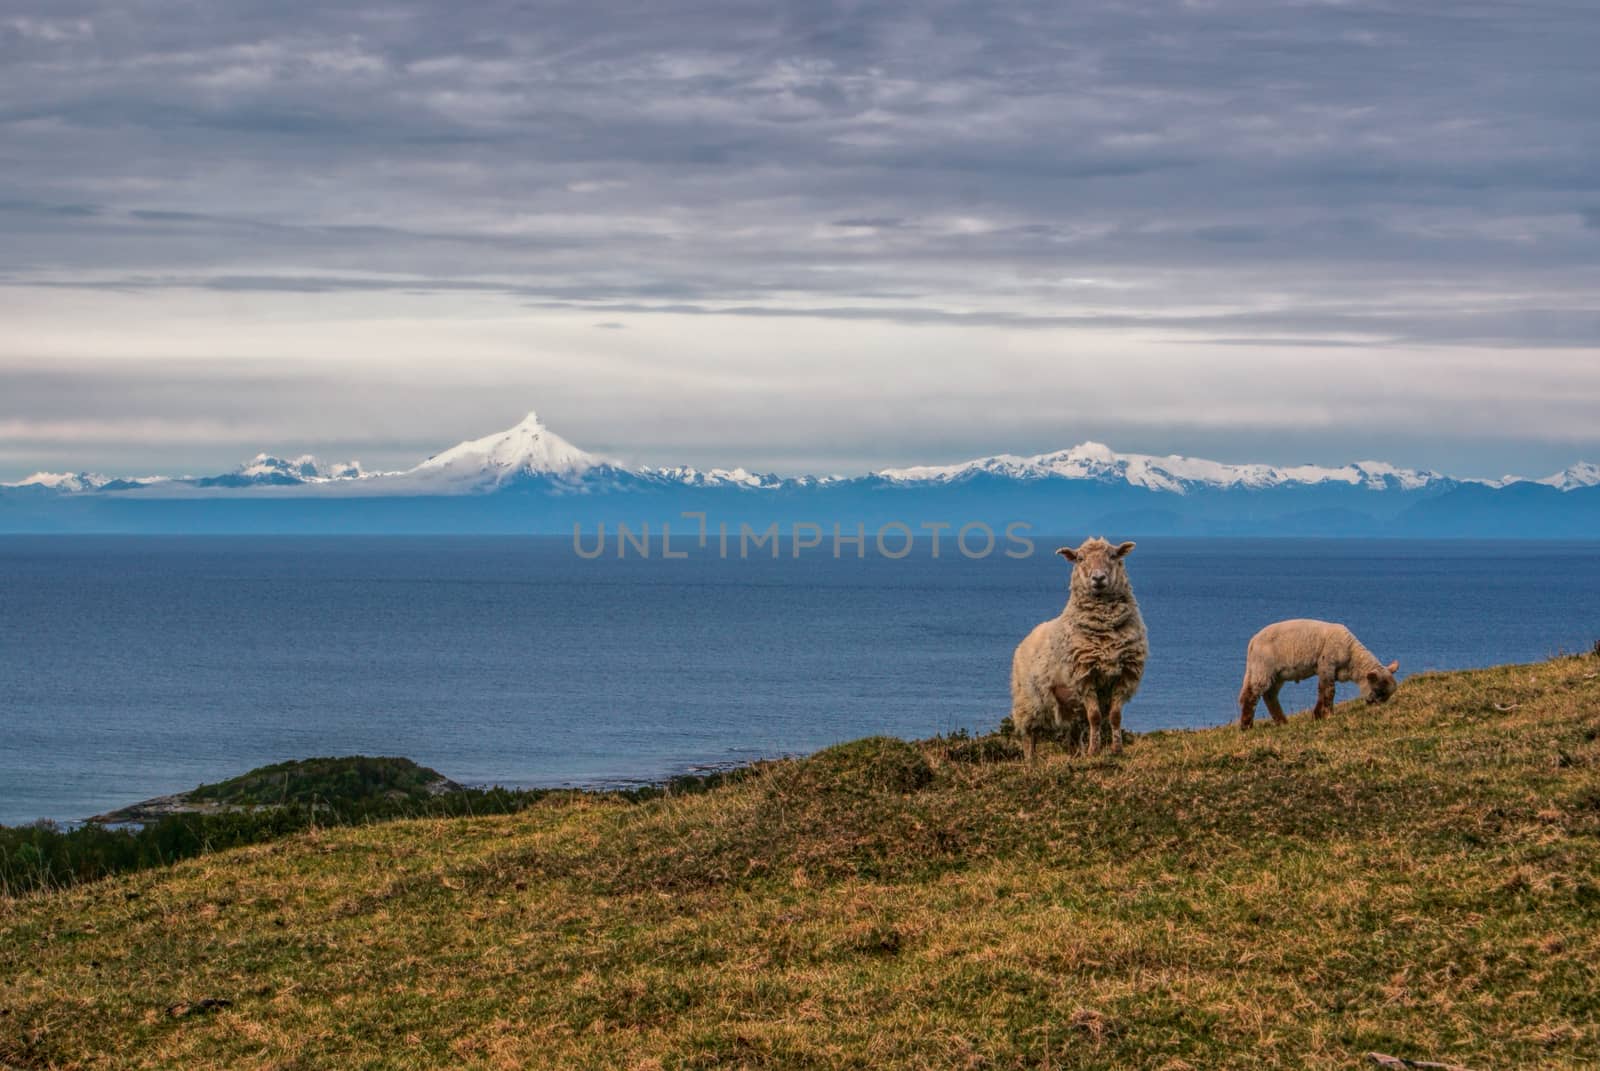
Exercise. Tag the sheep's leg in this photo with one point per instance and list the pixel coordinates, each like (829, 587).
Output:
(1114, 715)
(1030, 742)
(1091, 707)
(1247, 707)
(1273, 706)
(1324, 707)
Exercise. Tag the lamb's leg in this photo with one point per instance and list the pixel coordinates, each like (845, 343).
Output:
(1091, 708)
(1114, 715)
(1247, 707)
(1030, 742)
(1273, 706)
(1325, 685)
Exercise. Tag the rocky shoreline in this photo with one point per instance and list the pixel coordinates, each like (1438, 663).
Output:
(159, 807)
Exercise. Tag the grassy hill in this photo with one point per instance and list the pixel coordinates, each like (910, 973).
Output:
(1421, 879)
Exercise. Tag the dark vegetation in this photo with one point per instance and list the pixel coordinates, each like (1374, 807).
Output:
(263, 805)
(346, 781)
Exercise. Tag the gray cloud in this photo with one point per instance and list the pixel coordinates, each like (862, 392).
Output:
(1245, 177)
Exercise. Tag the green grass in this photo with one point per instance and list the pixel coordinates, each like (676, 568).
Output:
(1421, 879)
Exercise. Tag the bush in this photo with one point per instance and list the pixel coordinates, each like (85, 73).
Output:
(995, 747)
(876, 764)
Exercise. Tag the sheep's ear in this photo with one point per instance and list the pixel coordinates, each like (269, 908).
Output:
(1124, 550)
(1067, 553)
(1394, 667)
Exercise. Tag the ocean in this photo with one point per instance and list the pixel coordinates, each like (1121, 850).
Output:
(136, 666)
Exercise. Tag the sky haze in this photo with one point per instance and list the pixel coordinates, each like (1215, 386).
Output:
(800, 237)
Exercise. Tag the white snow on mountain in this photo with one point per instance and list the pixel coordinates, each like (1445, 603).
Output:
(1174, 473)
(63, 481)
(693, 477)
(1583, 474)
(305, 467)
(529, 449)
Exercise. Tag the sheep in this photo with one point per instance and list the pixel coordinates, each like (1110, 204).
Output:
(1295, 650)
(1089, 660)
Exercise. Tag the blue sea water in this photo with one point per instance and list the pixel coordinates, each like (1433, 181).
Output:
(132, 666)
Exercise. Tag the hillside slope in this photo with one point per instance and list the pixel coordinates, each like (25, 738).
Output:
(1421, 879)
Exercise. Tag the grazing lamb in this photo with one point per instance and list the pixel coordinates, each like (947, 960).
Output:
(1088, 661)
(1295, 650)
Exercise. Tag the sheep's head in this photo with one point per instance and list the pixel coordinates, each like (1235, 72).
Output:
(1097, 570)
(1379, 684)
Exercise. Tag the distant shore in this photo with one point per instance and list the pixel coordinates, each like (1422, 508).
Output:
(200, 801)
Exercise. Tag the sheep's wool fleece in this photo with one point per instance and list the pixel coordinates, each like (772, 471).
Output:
(1106, 643)
(1295, 650)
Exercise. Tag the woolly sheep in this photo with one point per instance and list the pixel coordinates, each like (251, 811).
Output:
(1295, 650)
(1088, 661)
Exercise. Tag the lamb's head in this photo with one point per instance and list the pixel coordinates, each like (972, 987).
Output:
(1097, 569)
(1379, 683)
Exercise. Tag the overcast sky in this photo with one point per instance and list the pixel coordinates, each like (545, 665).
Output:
(800, 237)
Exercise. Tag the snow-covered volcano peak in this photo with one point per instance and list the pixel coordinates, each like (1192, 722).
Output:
(529, 449)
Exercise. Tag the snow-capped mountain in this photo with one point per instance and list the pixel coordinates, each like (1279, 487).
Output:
(1173, 473)
(1583, 474)
(73, 483)
(532, 459)
(261, 470)
(267, 470)
(532, 453)
(63, 481)
(692, 477)
(529, 450)
(304, 467)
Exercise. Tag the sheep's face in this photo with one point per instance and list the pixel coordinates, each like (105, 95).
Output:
(1380, 684)
(1097, 569)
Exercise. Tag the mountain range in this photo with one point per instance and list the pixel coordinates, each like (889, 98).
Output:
(528, 479)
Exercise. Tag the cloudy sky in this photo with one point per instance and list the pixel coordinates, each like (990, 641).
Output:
(800, 236)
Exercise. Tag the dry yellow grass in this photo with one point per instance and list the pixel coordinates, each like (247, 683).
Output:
(1421, 879)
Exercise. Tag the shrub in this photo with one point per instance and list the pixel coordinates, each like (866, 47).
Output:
(876, 764)
(995, 747)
